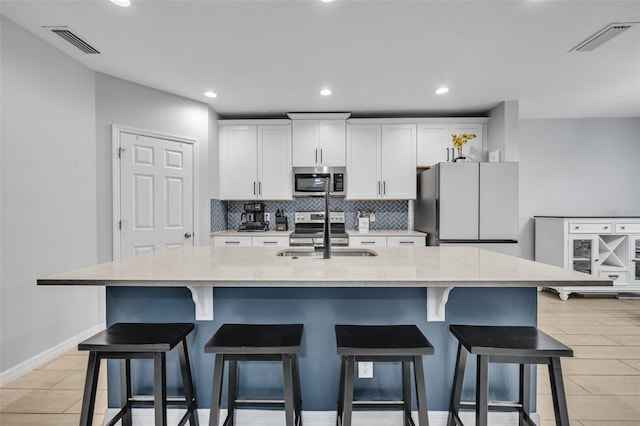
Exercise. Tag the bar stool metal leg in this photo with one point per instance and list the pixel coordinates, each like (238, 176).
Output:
(482, 390)
(90, 387)
(232, 392)
(557, 392)
(347, 402)
(296, 390)
(187, 383)
(216, 391)
(288, 390)
(160, 388)
(125, 391)
(343, 361)
(421, 391)
(456, 392)
(525, 394)
(406, 392)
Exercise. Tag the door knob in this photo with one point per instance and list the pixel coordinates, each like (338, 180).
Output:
(187, 235)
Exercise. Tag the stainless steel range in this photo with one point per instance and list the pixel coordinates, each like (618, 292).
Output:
(308, 229)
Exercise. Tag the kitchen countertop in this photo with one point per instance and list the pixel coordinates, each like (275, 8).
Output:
(260, 267)
(231, 233)
(438, 269)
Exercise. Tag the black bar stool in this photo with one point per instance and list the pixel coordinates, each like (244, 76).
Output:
(256, 342)
(126, 341)
(382, 343)
(507, 344)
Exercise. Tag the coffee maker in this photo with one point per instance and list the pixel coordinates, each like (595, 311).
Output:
(253, 218)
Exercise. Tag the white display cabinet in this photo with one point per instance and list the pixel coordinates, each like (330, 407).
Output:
(604, 246)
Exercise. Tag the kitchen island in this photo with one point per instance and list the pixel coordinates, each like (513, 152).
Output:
(399, 286)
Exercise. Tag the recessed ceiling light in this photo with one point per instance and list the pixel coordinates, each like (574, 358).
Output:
(442, 90)
(326, 1)
(325, 92)
(123, 3)
(210, 94)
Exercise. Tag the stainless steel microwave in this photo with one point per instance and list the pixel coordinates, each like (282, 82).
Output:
(310, 181)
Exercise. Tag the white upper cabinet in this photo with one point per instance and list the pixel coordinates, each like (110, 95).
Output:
(381, 161)
(435, 145)
(319, 142)
(255, 162)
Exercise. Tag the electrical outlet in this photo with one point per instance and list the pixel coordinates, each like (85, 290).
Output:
(365, 370)
(267, 217)
(372, 217)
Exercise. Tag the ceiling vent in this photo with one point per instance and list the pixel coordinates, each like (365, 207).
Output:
(67, 34)
(603, 36)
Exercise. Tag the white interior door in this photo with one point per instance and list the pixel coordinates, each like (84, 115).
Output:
(156, 194)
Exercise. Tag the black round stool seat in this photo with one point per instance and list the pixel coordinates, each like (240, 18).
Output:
(256, 342)
(523, 345)
(126, 341)
(382, 343)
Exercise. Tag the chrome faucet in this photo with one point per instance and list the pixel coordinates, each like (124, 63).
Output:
(326, 231)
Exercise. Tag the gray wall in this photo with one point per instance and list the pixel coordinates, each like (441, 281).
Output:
(577, 167)
(124, 103)
(48, 201)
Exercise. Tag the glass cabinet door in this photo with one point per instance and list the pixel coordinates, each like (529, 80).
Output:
(582, 254)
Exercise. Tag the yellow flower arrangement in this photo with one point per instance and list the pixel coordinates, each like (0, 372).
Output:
(460, 140)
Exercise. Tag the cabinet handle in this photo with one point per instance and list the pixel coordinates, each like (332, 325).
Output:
(266, 243)
(378, 187)
(232, 242)
(368, 243)
(623, 227)
(606, 227)
(259, 188)
(254, 188)
(614, 277)
(316, 155)
(384, 187)
(576, 228)
(406, 243)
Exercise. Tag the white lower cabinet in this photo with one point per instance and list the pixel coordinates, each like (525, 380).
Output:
(270, 241)
(606, 247)
(367, 241)
(250, 241)
(232, 241)
(386, 241)
(406, 241)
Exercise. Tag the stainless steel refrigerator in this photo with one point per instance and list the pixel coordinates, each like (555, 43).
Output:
(470, 204)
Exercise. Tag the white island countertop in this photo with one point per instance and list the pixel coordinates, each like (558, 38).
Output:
(439, 269)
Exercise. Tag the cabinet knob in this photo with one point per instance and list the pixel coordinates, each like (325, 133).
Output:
(577, 227)
(623, 227)
(606, 227)
(188, 235)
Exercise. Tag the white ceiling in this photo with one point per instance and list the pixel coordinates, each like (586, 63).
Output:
(266, 58)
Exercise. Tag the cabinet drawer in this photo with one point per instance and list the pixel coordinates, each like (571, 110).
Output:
(628, 228)
(618, 277)
(270, 241)
(405, 241)
(367, 241)
(590, 228)
(232, 241)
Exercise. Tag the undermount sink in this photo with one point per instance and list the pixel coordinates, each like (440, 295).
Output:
(337, 252)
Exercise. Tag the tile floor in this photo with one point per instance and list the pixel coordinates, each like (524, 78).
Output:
(602, 381)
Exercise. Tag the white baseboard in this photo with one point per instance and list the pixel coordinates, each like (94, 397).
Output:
(46, 356)
(144, 417)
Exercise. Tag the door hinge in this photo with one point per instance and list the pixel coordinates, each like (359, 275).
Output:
(120, 225)
(120, 151)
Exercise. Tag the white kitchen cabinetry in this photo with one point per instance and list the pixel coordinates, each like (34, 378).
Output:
(232, 241)
(249, 241)
(435, 146)
(378, 239)
(255, 161)
(367, 241)
(381, 161)
(607, 247)
(319, 142)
